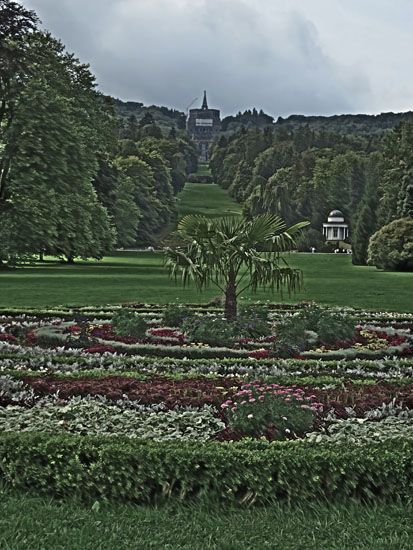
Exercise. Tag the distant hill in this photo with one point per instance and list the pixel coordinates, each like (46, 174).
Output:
(247, 119)
(347, 124)
(339, 124)
(163, 116)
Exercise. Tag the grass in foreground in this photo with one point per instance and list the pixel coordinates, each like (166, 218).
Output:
(140, 277)
(29, 522)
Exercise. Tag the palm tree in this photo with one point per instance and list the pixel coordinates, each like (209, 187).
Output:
(235, 254)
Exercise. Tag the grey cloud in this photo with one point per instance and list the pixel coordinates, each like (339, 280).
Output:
(245, 53)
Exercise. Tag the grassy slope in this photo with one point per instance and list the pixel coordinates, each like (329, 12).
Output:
(141, 277)
(39, 523)
(206, 199)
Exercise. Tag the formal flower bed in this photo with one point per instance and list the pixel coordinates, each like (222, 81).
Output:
(82, 402)
(260, 333)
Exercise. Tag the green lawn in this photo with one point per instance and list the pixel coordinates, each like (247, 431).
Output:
(28, 522)
(141, 277)
(207, 199)
(203, 169)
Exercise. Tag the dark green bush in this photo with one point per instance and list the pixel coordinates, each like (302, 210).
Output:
(330, 325)
(211, 329)
(246, 471)
(200, 178)
(391, 248)
(253, 320)
(175, 314)
(127, 322)
(290, 337)
(49, 338)
(334, 325)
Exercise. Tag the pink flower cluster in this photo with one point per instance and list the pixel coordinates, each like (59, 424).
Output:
(257, 392)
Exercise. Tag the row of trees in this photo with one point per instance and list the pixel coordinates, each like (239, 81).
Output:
(304, 174)
(141, 183)
(74, 180)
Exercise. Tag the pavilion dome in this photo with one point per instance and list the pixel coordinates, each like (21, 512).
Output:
(336, 214)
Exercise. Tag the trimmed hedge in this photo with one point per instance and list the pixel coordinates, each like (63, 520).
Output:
(246, 471)
(175, 352)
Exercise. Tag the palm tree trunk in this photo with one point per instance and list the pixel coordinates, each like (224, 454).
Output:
(231, 298)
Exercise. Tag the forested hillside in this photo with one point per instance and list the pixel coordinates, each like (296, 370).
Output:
(304, 174)
(163, 116)
(366, 125)
(347, 124)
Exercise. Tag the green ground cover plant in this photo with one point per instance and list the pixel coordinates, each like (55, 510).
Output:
(91, 416)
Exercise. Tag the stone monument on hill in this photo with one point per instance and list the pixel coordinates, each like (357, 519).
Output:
(203, 126)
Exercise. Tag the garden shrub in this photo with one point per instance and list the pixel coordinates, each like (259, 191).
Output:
(253, 320)
(212, 330)
(245, 472)
(48, 338)
(310, 324)
(127, 322)
(274, 411)
(334, 325)
(291, 337)
(175, 314)
(391, 248)
(200, 178)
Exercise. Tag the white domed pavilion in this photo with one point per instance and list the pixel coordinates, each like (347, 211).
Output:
(335, 229)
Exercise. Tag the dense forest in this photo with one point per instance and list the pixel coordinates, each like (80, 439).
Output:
(305, 173)
(367, 125)
(76, 179)
(347, 124)
(163, 116)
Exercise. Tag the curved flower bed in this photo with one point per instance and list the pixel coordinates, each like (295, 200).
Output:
(369, 340)
(235, 422)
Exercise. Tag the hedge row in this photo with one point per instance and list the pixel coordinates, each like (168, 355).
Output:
(246, 472)
(175, 352)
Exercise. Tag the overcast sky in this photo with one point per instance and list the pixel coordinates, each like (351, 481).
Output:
(285, 56)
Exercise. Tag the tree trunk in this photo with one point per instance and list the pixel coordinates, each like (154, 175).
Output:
(231, 299)
(70, 259)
